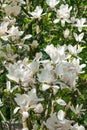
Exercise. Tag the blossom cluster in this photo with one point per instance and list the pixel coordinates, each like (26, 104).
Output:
(39, 65)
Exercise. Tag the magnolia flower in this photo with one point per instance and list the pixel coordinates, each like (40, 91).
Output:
(14, 33)
(56, 122)
(56, 54)
(80, 24)
(77, 127)
(75, 50)
(52, 3)
(77, 67)
(66, 33)
(66, 73)
(78, 109)
(48, 79)
(37, 12)
(3, 28)
(63, 14)
(79, 37)
(10, 20)
(12, 9)
(22, 72)
(26, 101)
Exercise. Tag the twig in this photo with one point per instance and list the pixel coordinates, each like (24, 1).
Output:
(2, 116)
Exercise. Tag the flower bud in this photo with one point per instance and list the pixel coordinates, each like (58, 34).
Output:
(66, 33)
(39, 108)
(25, 114)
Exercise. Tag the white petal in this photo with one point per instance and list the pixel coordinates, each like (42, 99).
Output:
(5, 38)
(61, 115)
(45, 87)
(15, 87)
(27, 36)
(8, 85)
(81, 36)
(61, 102)
(56, 21)
(16, 109)
(55, 89)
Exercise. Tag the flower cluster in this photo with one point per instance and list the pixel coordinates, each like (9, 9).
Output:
(41, 46)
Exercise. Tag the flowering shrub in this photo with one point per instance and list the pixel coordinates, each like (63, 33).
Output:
(41, 58)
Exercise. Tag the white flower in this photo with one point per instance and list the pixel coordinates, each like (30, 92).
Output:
(17, 72)
(66, 33)
(37, 12)
(26, 101)
(61, 102)
(52, 3)
(14, 33)
(66, 73)
(75, 50)
(48, 79)
(63, 14)
(79, 37)
(10, 20)
(56, 54)
(58, 122)
(77, 67)
(22, 72)
(10, 9)
(80, 24)
(77, 127)
(3, 28)
(78, 109)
